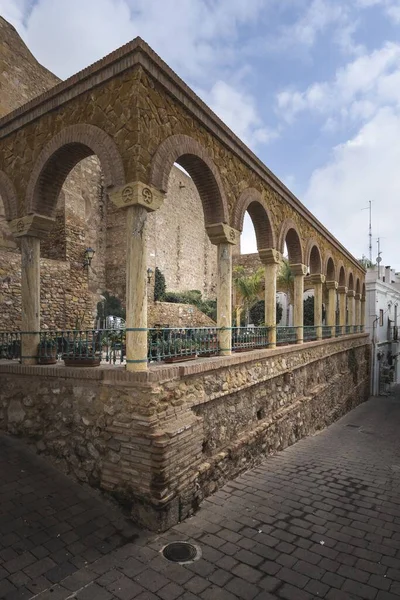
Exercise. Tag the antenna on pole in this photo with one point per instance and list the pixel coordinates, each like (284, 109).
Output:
(369, 207)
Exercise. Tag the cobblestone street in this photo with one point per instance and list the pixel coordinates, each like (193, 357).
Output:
(319, 520)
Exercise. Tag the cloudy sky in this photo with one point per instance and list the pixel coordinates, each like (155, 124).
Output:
(312, 86)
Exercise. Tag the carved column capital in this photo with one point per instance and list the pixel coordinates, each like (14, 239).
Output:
(357, 296)
(138, 193)
(298, 269)
(351, 294)
(332, 285)
(342, 289)
(269, 256)
(221, 233)
(32, 226)
(316, 278)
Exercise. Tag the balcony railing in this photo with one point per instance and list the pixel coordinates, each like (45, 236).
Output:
(249, 338)
(108, 346)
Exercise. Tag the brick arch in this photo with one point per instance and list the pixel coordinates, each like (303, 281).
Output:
(194, 158)
(251, 200)
(59, 157)
(342, 274)
(313, 257)
(289, 234)
(350, 281)
(330, 269)
(9, 196)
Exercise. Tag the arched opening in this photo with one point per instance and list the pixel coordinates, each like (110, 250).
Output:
(330, 270)
(291, 249)
(70, 181)
(358, 286)
(315, 263)
(351, 282)
(252, 218)
(179, 246)
(342, 276)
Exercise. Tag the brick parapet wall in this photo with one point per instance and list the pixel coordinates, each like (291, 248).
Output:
(166, 439)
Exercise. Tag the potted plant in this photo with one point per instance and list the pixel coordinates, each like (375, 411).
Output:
(82, 353)
(47, 351)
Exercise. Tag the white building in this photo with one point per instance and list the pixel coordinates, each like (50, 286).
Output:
(382, 306)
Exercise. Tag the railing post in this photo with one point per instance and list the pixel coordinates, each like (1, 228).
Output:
(30, 229)
(317, 280)
(351, 305)
(137, 199)
(342, 291)
(299, 271)
(224, 237)
(332, 286)
(271, 259)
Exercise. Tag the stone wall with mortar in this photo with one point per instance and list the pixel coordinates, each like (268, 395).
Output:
(177, 315)
(165, 439)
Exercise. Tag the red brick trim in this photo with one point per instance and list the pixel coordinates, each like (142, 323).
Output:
(252, 201)
(61, 154)
(290, 234)
(194, 158)
(9, 196)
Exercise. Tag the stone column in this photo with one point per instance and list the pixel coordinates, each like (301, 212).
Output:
(342, 291)
(30, 229)
(137, 199)
(358, 312)
(317, 280)
(332, 286)
(271, 259)
(351, 295)
(223, 236)
(299, 271)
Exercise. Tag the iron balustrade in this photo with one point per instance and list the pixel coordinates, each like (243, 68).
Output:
(10, 345)
(326, 332)
(108, 346)
(250, 338)
(309, 333)
(286, 335)
(181, 342)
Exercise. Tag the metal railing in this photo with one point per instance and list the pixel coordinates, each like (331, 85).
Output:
(250, 338)
(10, 344)
(286, 335)
(309, 333)
(108, 346)
(183, 343)
(326, 332)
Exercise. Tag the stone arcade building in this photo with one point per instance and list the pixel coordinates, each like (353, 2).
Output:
(167, 436)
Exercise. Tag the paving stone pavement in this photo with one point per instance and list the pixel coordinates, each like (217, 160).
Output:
(319, 520)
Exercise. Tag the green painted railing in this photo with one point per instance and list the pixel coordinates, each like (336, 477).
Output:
(108, 346)
(250, 338)
(309, 333)
(326, 332)
(286, 335)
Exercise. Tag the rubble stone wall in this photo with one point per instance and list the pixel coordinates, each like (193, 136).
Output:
(165, 439)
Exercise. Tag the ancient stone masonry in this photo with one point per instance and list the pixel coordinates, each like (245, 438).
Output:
(164, 440)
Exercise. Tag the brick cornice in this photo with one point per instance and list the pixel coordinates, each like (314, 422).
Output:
(138, 53)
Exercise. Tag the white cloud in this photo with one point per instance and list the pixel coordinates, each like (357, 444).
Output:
(238, 110)
(364, 168)
(196, 37)
(358, 90)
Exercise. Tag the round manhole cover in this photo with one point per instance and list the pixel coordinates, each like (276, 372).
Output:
(181, 552)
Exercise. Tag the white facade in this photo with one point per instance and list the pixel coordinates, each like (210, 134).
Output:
(382, 307)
